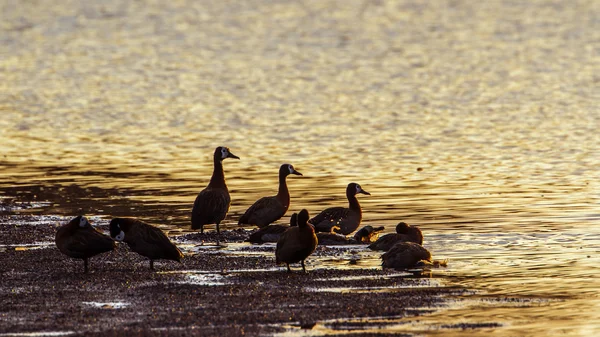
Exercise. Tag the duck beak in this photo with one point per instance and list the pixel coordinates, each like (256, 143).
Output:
(364, 192)
(231, 155)
(297, 173)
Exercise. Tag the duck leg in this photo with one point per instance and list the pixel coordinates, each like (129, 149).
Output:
(288, 267)
(218, 235)
(85, 265)
(151, 264)
(303, 268)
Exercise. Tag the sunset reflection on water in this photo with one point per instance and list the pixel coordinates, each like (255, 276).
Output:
(476, 121)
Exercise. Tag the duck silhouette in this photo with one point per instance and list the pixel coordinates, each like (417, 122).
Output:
(79, 240)
(296, 243)
(212, 203)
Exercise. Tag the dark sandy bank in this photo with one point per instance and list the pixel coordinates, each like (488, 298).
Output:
(214, 292)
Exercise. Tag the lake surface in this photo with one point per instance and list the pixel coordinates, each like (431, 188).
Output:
(476, 121)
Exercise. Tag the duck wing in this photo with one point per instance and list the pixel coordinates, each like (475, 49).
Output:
(331, 239)
(151, 242)
(88, 242)
(328, 218)
(271, 233)
(290, 247)
(263, 212)
(211, 206)
(405, 255)
(387, 241)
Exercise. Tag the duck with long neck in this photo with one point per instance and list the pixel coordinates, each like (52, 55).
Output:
(267, 210)
(347, 219)
(212, 203)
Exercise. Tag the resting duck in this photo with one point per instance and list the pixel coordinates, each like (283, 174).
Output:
(404, 233)
(347, 219)
(79, 240)
(362, 236)
(296, 243)
(212, 203)
(267, 210)
(365, 234)
(145, 240)
(333, 239)
(271, 233)
(406, 255)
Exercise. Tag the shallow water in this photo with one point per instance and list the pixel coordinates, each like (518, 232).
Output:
(476, 121)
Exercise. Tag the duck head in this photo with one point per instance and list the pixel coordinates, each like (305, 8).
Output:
(354, 189)
(115, 230)
(287, 169)
(367, 230)
(294, 220)
(80, 221)
(402, 228)
(223, 152)
(303, 218)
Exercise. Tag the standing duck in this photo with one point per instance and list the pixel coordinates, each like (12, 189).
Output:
(212, 203)
(296, 243)
(145, 240)
(347, 219)
(405, 255)
(272, 233)
(79, 240)
(404, 233)
(267, 210)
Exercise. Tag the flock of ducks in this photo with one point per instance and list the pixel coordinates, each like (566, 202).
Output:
(403, 249)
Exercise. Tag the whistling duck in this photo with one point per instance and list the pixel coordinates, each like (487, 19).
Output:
(404, 233)
(272, 233)
(405, 255)
(79, 240)
(144, 239)
(365, 234)
(212, 203)
(270, 209)
(362, 236)
(347, 219)
(296, 243)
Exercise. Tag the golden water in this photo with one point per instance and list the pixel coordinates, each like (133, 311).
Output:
(475, 120)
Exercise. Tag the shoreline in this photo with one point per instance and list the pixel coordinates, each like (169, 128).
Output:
(214, 292)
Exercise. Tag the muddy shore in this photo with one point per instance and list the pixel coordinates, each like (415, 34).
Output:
(214, 292)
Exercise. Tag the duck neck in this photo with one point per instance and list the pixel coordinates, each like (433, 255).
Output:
(353, 203)
(283, 194)
(218, 177)
(305, 227)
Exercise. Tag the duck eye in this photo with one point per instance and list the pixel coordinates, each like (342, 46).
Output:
(82, 221)
(223, 152)
(358, 189)
(291, 168)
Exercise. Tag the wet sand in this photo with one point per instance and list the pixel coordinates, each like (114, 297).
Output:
(212, 293)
